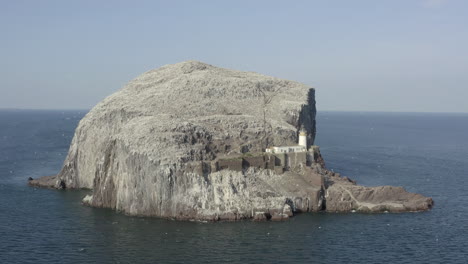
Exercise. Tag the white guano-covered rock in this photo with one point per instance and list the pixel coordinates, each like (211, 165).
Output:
(152, 149)
(141, 149)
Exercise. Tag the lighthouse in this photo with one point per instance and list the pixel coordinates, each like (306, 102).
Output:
(302, 138)
(300, 147)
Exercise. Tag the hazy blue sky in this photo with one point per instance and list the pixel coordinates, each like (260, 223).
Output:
(395, 55)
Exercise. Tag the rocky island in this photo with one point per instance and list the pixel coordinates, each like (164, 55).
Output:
(192, 141)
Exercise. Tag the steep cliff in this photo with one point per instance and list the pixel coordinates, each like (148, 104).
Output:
(148, 149)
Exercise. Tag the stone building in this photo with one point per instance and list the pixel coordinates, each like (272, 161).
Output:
(277, 158)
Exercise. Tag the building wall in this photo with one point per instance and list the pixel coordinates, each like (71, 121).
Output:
(277, 161)
(229, 164)
(280, 159)
(238, 164)
(303, 141)
(256, 162)
(294, 159)
(289, 149)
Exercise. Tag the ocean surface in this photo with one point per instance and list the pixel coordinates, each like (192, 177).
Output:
(425, 153)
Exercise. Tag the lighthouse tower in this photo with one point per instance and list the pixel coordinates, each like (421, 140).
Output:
(302, 138)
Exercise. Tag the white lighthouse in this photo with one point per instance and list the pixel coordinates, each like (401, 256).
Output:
(303, 138)
(300, 147)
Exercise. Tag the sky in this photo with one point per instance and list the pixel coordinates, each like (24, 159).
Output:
(388, 55)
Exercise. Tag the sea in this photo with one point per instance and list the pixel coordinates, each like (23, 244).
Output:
(425, 153)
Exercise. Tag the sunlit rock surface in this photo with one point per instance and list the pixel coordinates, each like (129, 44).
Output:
(148, 150)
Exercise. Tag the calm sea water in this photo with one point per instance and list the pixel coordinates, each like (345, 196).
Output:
(425, 153)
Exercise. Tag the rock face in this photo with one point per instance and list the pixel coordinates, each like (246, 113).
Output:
(147, 150)
(344, 195)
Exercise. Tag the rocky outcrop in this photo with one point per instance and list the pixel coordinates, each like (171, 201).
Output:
(344, 195)
(148, 149)
(52, 181)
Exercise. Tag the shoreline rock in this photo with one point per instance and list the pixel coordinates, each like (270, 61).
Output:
(44, 182)
(340, 195)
